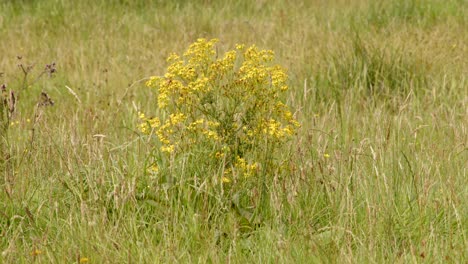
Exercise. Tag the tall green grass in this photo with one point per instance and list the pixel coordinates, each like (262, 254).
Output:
(377, 172)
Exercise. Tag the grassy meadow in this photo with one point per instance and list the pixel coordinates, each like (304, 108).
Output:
(377, 173)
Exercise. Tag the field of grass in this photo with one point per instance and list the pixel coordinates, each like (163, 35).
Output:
(378, 171)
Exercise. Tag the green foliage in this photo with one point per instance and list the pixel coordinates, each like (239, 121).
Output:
(375, 71)
(421, 12)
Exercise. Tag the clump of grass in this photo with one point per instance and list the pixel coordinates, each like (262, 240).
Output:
(11, 101)
(422, 13)
(7, 108)
(374, 71)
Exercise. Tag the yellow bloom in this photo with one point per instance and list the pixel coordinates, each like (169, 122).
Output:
(84, 260)
(153, 168)
(240, 46)
(219, 155)
(211, 134)
(226, 180)
(176, 118)
(173, 57)
(168, 149)
(152, 81)
(154, 122)
(144, 128)
(36, 252)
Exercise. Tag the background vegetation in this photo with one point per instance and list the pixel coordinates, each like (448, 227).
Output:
(378, 170)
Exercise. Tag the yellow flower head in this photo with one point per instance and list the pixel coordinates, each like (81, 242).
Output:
(226, 180)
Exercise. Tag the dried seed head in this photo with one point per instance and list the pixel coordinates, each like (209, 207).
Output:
(45, 100)
(50, 68)
(12, 103)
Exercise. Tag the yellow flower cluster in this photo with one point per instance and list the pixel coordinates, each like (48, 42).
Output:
(240, 167)
(148, 124)
(229, 103)
(246, 169)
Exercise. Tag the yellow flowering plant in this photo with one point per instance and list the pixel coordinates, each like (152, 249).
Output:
(226, 109)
